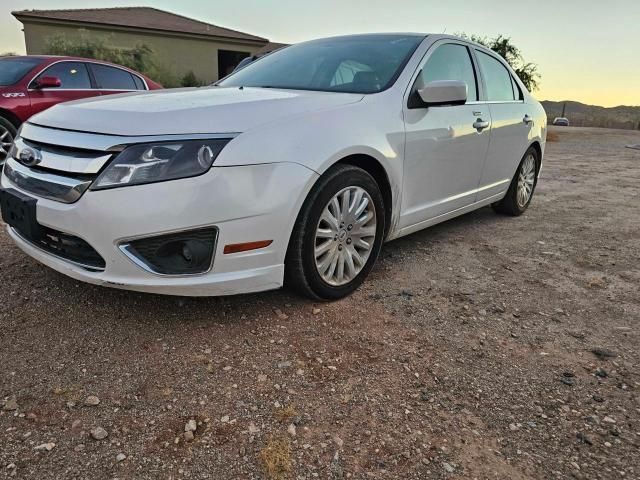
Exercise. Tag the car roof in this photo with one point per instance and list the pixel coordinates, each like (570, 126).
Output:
(57, 58)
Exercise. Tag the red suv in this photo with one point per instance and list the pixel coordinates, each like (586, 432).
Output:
(30, 84)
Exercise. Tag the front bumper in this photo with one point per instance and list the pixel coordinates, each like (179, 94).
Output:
(245, 203)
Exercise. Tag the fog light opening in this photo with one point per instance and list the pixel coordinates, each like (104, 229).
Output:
(182, 253)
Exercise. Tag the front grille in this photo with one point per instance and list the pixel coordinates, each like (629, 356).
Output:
(66, 247)
(62, 174)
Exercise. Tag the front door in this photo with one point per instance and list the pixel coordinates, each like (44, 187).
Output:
(445, 151)
(75, 84)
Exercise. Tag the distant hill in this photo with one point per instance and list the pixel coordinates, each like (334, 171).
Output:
(581, 115)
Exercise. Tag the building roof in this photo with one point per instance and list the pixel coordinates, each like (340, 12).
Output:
(137, 17)
(270, 47)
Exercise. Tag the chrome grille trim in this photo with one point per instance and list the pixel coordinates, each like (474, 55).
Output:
(64, 159)
(46, 185)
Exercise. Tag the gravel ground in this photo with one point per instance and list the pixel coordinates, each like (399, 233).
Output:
(485, 347)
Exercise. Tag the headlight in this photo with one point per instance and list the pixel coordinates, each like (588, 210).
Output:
(158, 162)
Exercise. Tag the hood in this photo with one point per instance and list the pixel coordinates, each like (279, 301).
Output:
(187, 111)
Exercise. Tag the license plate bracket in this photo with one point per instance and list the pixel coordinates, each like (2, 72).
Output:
(19, 211)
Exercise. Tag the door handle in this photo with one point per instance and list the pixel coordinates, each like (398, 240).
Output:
(480, 125)
(527, 120)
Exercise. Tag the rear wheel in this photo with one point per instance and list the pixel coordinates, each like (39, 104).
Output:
(523, 184)
(7, 135)
(337, 236)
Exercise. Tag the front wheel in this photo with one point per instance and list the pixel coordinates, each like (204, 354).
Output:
(7, 135)
(522, 186)
(337, 236)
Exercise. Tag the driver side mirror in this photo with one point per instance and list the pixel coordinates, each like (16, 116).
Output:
(48, 82)
(443, 92)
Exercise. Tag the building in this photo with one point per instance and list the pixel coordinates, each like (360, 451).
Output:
(179, 44)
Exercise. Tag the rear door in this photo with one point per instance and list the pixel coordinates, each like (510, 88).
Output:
(511, 125)
(445, 152)
(110, 79)
(75, 84)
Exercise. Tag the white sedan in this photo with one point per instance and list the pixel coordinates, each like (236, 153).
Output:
(292, 170)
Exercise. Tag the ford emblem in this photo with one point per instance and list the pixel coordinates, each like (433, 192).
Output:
(29, 157)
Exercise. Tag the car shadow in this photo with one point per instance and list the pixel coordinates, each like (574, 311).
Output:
(235, 308)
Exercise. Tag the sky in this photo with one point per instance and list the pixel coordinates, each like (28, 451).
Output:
(586, 50)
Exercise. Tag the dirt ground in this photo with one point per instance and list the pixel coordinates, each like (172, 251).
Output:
(486, 347)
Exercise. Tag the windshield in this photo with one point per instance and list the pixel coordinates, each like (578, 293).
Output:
(357, 64)
(13, 69)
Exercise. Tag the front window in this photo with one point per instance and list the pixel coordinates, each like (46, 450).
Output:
(13, 69)
(72, 75)
(450, 62)
(357, 64)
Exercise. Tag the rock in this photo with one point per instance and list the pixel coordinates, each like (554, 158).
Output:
(601, 372)
(120, 457)
(188, 436)
(315, 311)
(285, 364)
(46, 446)
(292, 430)
(91, 401)
(191, 426)
(448, 467)
(281, 315)
(224, 419)
(603, 353)
(76, 425)
(338, 441)
(11, 404)
(583, 438)
(253, 429)
(99, 433)
(513, 427)
(568, 381)
(609, 420)
(598, 398)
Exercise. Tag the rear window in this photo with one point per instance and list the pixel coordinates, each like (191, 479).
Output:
(13, 69)
(111, 78)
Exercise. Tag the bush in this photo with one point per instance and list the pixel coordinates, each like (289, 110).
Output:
(139, 58)
(190, 80)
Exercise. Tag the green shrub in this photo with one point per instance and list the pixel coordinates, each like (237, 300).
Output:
(190, 80)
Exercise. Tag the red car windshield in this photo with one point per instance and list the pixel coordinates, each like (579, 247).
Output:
(12, 70)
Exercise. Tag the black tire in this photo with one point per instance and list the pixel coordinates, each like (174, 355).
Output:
(6, 127)
(509, 204)
(301, 273)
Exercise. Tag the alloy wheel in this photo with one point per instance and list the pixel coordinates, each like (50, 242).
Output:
(345, 235)
(526, 180)
(6, 140)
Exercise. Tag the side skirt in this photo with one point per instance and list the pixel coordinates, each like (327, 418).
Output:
(446, 216)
